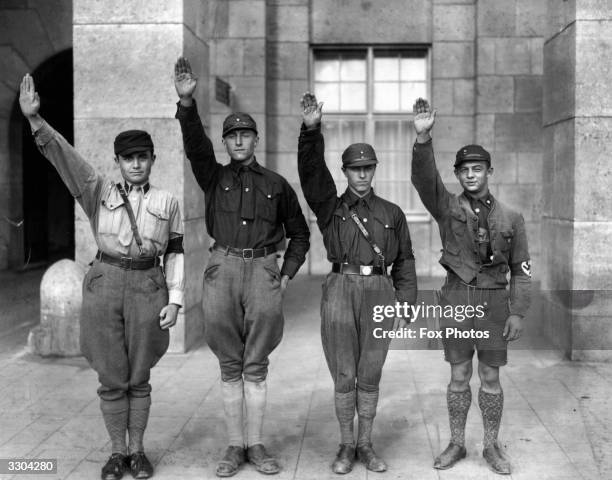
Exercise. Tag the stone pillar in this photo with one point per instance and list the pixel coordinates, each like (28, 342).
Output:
(61, 297)
(577, 219)
(124, 54)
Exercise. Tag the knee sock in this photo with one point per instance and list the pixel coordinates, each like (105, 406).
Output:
(458, 404)
(137, 423)
(345, 413)
(115, 415)
(232, 404)
(255, 399)
(366, 411)
(491, 406)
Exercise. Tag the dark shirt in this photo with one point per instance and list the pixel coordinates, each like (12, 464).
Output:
(482, 207)
(246, 206)
(385, 221)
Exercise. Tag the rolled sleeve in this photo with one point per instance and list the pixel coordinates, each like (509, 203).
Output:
(175, 277)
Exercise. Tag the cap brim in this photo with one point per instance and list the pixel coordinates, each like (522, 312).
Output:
(361, 163)
(230, 130)
(129, 151)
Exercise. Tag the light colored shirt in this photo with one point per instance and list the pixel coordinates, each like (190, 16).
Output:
(156, 211)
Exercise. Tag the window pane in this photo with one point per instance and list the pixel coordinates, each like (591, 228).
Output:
(327, 70)
(353, 131)
(352, 97)
(413, 69)
(410, 92)
(387, 135)
(386, 97)
(330, 94)
(353, 70)
(386, 69)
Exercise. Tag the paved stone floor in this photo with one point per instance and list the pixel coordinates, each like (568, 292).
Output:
(556, 423)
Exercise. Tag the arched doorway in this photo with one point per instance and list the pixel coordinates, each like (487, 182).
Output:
(48, 207)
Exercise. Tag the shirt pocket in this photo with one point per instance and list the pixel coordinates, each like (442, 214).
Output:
(458, 222)
(504, 241)
(451, 254)
(267, 199)
(156, 225)
(113, 231)
(228, 196)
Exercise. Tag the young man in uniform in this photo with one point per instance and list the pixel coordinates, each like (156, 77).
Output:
(482, 240)
(128, 301)
(249, 210)
(358, 278)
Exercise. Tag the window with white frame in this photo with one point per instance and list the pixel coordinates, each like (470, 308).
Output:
(368, 93)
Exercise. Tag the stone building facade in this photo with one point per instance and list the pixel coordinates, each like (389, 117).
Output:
(508, 74)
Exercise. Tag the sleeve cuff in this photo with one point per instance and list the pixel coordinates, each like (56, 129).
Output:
(290, 267)
(176, 296)
(44, 134)
(426, 145)
(186, 113)
(310, 132)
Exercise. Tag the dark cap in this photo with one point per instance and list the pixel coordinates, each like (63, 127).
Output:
(132, 141)
(359, 155)
(237, 121)
(472, 153)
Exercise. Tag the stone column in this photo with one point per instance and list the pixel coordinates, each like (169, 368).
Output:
(577, 220)
(124, 56)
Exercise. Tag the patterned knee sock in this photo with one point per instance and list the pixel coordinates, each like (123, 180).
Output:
(255, 399)
(115, 414)
(491, 406)
(345, 413)
(233, 394)
(366, 410)
(458, 405)
(137, 423)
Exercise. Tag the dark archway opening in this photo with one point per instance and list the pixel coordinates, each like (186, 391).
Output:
(48, 207)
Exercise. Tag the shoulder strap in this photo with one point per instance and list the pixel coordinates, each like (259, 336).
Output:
(377, 250)
(130, 212)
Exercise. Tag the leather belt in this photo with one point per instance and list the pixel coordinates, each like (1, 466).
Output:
(245, 253)
(348, 269)
(128, 263)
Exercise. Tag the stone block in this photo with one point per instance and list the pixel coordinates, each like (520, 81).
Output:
(561, 188)
(560, 13)
(505, 166)
(247, 18)
(229, 56)
(193, 197)
(495, 94)
(591, 256)
(536, 55)
(420, 236)
(531, 18)
(464, 93)
(485, 130)
(278, 97)
(298, 88)
(453, 60)
(24, 30)
(445, 162)
(453, 22)
(450, 133)
(287, 60)
(526, 199)
(7, 98)
(288, 23)
(120, 51)
(283, 134)
(14, 68)
(249, 94)
(338, 21)
(593, 149)
(216, 18)
(512, 56)
(559, 82)
(497, 18)
(593, 70)
(593, 10)
(530, 167)
(486, 56)
(134, 11)
(557, 257)
(254, 60)
(285, 164)
(519, 132)
(528, 93)
(442, 96)
(61, 298)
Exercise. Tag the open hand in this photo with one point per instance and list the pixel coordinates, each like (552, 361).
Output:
(311, 110)
(184, 80)
(29, 101)
(424, 117)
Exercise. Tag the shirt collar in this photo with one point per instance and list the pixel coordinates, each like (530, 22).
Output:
(352, 199)
(253, 166)
(129, 187)
(488, 200)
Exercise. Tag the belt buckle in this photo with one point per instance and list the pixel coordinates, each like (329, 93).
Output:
(126, 263)
(365, 270)
(246, 255)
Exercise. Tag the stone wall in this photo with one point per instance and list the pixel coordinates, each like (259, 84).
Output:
(30, 33)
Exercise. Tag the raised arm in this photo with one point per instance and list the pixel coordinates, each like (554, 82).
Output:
(425, 176)
(316, 180)
(81, 179)
(198, 147)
